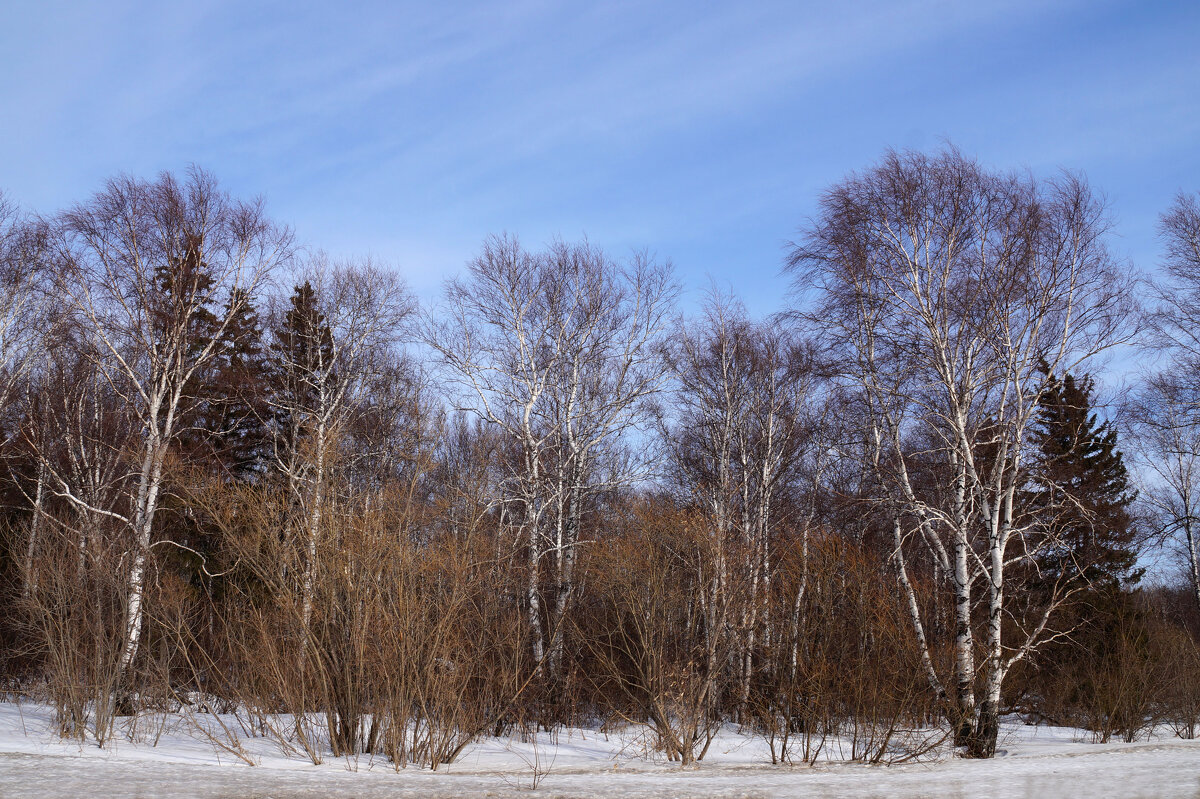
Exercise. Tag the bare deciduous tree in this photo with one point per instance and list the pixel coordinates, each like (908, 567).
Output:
(78, 434)
(24, 316)
(945, 290)
(143, 269)
(741, 432)
(23, 309)
(1177, 321)
(556, 349)
(335, 336)
(1167, 414)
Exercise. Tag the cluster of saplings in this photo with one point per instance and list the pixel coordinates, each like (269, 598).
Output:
(267, 491)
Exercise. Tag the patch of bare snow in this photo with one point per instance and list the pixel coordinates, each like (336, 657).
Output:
(1034, 762)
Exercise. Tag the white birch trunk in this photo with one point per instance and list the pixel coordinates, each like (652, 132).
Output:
(35, 524)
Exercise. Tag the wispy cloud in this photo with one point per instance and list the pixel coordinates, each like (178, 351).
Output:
(701, 129)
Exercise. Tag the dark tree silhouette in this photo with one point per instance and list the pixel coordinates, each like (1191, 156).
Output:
(1082, 491)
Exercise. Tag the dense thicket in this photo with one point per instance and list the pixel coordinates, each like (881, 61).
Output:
(239, 479)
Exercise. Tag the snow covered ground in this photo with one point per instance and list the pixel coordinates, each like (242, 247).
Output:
(168, 759)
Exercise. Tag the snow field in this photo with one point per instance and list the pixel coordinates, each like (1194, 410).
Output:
(169, 757)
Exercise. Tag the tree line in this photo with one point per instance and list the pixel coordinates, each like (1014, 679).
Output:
(244, 480)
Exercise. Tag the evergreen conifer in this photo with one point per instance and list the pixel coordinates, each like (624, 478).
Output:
(1082, 494)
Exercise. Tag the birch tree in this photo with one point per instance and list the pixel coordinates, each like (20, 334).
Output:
(1167, 413)
(24, 315)
(1167, 428)
(335, 335)
(738, 437)
(557, 350)
(23, 302)
(140, 268)
(1176, 320)
(78, 434)
(944, 288)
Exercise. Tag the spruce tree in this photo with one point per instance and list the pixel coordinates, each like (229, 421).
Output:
(183, 286)
(301, 365)
(239, 404)
(1083, 499)
(213, 415)
(1082, 493)
(181, 283)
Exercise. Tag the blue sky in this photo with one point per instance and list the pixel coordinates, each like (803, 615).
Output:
(703, 132)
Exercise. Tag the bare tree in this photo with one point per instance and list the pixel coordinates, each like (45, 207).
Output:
(24, 313)
(1177, 319)
(23, 304)
(945, 289)
(143, 269)
(1167, 414)
(333, 339)
(556, 349)
(656, 582)
(78, 434)
(740, 432)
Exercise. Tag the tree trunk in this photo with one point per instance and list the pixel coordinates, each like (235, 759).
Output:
(981, 742)
(964, 655)
(34, 528)
(147, 504)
